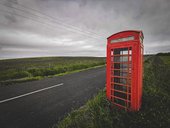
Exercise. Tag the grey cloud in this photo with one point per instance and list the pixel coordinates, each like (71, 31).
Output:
(77, 21)
(10, 2)
(10, 18)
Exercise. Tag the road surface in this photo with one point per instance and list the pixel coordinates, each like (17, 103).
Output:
(40, 104)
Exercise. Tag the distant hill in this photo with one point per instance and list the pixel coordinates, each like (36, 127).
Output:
(163, 54)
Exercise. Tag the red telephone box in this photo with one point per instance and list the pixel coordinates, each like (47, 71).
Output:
(125, 69)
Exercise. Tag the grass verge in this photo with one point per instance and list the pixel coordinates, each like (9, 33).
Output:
(29, 69)
(27, 79)
(154, 113)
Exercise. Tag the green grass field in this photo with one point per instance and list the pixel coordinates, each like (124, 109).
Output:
(20, 70)
(166, 60)
(154, 113)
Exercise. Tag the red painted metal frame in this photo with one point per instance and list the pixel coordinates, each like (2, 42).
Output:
(136, 68)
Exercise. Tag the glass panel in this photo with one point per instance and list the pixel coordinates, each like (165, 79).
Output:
(125, 74)
(121, 102)
(124, 51)
(120, 51)
(130, 51)
(120, 73)
(116, 73)
(129, 82)
(121, 66)
(117, 66)
(129, 97)
(128, 104)
(141, 40)
(120, 80)
(124, 59)
(117, 59)
(111, 51)
(121, 59)
(129, 89)
(121, 88)
(130, 58)
(111, 59)
(121, 95)
(112, 92)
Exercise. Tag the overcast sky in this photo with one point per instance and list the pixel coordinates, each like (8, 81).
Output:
(30, 28)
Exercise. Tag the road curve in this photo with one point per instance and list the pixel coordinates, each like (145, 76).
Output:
(40, 104)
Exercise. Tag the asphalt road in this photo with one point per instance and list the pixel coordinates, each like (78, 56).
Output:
(40, 104)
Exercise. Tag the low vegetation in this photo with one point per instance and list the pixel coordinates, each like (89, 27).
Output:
(19, 70)
(154, 113)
